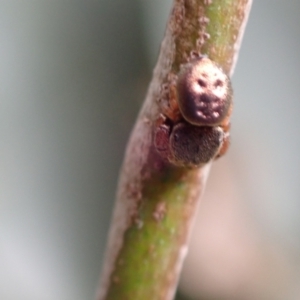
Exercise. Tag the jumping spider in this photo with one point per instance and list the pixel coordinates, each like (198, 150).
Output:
(194, 126)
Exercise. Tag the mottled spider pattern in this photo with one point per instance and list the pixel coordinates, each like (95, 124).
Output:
(194, 126)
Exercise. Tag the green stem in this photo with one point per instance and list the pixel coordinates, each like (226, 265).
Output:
(156, 202)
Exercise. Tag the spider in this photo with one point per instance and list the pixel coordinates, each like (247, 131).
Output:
(194, 125)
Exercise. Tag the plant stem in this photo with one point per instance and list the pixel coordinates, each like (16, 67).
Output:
(156, 202)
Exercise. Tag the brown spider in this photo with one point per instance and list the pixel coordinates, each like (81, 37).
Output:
(194, 126)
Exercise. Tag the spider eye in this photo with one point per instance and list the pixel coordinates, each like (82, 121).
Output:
(204, 93)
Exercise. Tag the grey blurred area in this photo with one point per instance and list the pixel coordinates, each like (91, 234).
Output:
(73, 75)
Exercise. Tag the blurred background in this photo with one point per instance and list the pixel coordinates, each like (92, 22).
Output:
(73, 75)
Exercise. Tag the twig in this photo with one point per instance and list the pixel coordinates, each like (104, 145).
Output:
(157, 201)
